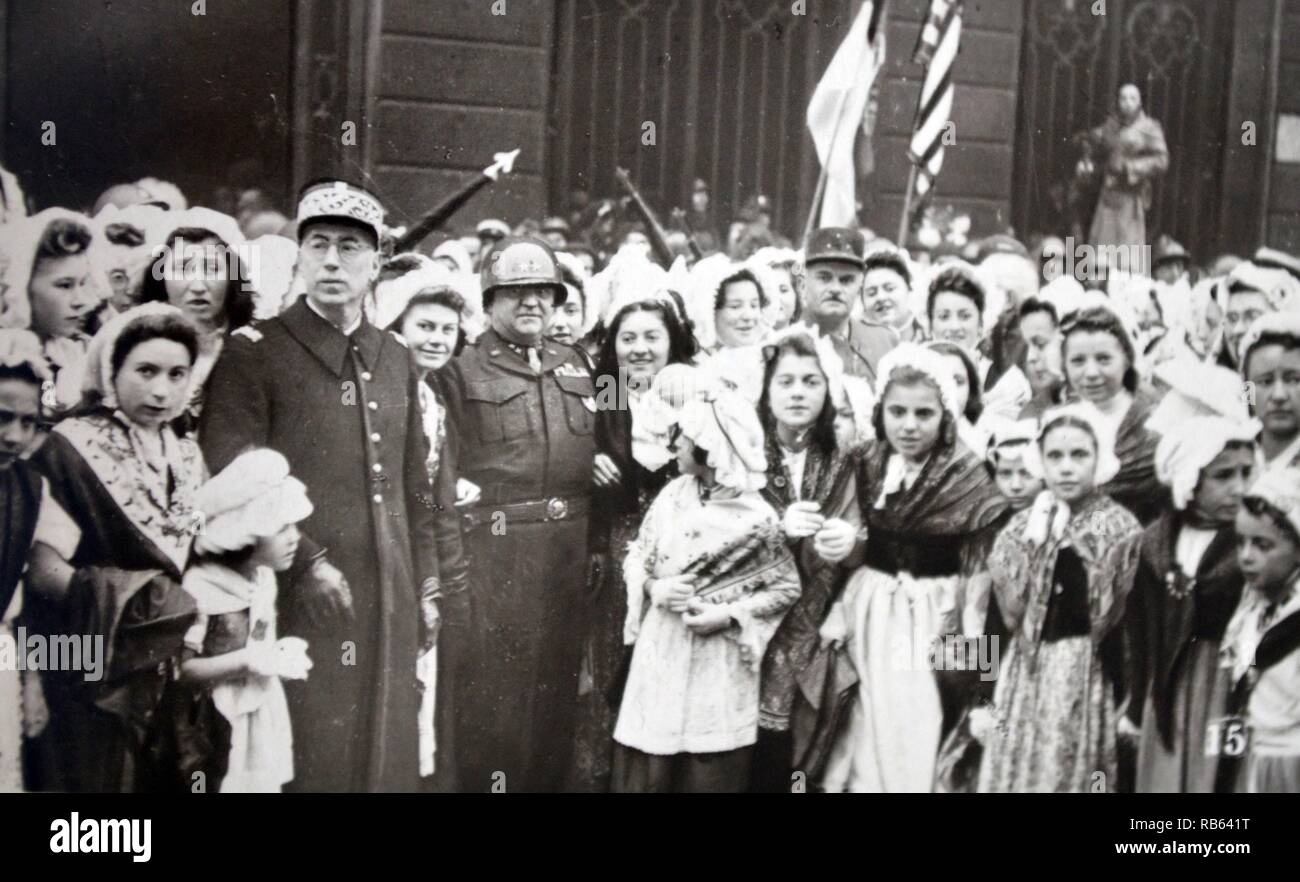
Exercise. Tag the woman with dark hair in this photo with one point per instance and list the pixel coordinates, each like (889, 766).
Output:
(1270, 364)
(1039, 327)
(739, 307)
(50, 287)
(1101, 372)
(930, 510)
(198, 269)
(887, 292)
(111, 566)
(810, 483)
(955, 305)
(632, 464)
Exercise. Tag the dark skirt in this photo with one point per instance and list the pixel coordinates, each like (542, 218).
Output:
(638, 772)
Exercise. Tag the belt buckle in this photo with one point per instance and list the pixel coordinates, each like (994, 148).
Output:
(556, 509)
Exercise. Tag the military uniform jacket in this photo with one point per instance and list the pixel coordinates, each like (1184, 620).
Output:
(522, 436)
(345, 413)
(862, 346)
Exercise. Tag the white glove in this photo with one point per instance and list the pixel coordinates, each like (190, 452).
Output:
(291, 659)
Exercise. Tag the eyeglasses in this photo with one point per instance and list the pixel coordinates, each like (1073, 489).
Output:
(350, 250)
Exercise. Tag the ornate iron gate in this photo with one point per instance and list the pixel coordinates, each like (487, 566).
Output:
(1178, 52)
(725, 83)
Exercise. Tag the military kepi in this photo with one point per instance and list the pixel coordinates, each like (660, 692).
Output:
(519, 262)
(330, 199)
(835, 243)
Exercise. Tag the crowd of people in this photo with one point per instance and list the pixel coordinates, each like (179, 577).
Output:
(578, 505)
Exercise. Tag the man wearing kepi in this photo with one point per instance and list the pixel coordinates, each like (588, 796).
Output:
(833, 275)
(337, 397)
(523, 408)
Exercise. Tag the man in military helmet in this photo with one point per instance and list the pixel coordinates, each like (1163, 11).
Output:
(832, 283)
(522, 412)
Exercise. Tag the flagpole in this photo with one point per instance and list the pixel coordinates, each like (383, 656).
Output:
(903, 224)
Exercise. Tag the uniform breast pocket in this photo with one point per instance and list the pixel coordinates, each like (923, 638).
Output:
(499, 409)
(579, 403)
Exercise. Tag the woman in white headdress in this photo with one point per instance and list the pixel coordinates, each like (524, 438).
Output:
(929, 510)
(1188, 580)
(737, 307)
(125, 484)
(708, 580)
(51, 287)
(1062, 571)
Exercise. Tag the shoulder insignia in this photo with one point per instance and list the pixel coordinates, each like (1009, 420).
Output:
(248, 332)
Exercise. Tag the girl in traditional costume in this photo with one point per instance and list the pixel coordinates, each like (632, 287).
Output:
(646, 338)
(930, 510)
(1188, 581)
(810, 483)
(1258, 738)
(1062, 571)
(250, 512)
(708, 580)
(125, 485)
(22, 490)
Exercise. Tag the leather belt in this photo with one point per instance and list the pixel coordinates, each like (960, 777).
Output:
(557, 508)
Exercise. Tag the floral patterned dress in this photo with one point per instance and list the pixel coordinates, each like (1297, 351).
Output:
(1056, 702)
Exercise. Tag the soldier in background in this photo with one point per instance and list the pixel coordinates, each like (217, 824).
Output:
(522, 409)
(832, 280)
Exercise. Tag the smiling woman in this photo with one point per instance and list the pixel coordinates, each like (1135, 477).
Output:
(198, 270)
(49, 287)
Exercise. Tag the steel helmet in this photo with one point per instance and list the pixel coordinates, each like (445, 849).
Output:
(519, 262)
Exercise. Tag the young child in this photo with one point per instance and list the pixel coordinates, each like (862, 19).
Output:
(1006, 459)
(247, 534)
(708, 579)
(22, 371)
(1062, 570)
(1259, 738)
(1188, 582)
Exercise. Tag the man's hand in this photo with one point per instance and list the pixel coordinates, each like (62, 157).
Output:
(672, 592)
(326, 595)
(605, 472)
(835, 540)
(802, 519)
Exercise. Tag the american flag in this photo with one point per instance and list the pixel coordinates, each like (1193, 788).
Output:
(937, 50)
